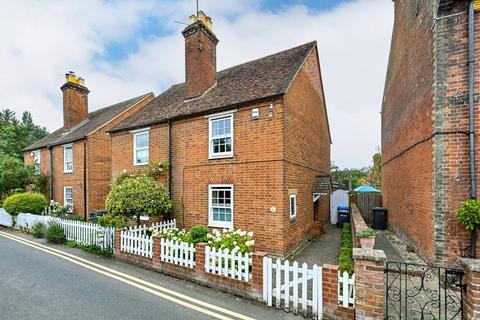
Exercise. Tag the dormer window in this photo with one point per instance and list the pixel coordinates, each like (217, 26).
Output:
(68, 158)
(221, 136)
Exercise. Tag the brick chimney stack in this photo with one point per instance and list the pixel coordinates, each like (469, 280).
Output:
(200, 55)
(75, 100)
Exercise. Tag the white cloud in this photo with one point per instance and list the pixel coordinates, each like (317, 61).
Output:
(43, 40)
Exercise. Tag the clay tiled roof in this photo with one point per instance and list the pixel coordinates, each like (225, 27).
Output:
(257, 79)
(322, 184)
(94, 120)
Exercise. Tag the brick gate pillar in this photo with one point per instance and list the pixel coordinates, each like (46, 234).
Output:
(369, 283)
(471, 299)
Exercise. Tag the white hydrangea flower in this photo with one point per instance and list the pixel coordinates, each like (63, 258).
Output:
(243, 234)
(250, 234)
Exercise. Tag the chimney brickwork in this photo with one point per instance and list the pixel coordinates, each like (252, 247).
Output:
(75, 100)
(200, 55)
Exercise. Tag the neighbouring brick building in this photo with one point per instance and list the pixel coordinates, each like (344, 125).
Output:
(425, 124)
(248, 146)
(77, 157)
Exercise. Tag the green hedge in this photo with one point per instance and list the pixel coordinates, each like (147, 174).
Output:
(345, 259)
(25, 202)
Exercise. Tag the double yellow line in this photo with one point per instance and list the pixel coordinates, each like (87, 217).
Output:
(159, 291)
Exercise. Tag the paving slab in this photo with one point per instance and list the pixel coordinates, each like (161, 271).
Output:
(323, 250)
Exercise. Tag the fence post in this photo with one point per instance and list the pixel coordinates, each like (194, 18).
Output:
(369, 283)
(471, 300)
(117, 241)
(329, 287)
(157, 247)
(257, 274)
(200, 257)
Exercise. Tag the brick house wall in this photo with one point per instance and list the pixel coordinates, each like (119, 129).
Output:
(307, 148)
(97, 147)
(268, 160)
(425, 160)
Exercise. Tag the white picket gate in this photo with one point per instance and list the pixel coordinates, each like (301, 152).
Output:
(177, 252)
(88, 233)
(346, 289)
(337, 198)
(297, 288)
(228, 264)
(5, 219)
(158, 226)
(135, 243)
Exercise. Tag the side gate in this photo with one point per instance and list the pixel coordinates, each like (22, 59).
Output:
(417, 291)
(337, 198)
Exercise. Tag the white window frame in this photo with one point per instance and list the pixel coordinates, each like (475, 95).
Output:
(65, 148)
(65, 197)
(135, 134)
(211, 119)
(214, 223)
(37, 154)
(293, 197)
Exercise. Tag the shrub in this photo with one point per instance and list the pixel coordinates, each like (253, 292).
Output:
(234, 241)
(345, 258)
(198, 234)
(38, 230)
(25, 202)
(57, 210)
(55, 234)
(14, 174)
(138, 196)
(366, 233)
(73, 217)
(109, 220)
(468, 214)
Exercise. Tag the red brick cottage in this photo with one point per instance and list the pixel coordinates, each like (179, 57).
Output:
(246, 145)
(77, 157)
(426, 126)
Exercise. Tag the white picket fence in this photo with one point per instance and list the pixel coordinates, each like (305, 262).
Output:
(297, 288)
(88, 233)
(136, 243)
(158, 226)
(228, 264)
(177, 252)
(5, 219)
(346, 289)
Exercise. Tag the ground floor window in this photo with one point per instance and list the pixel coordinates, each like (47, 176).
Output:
(293, 205)
(68, 197)
(220, 198)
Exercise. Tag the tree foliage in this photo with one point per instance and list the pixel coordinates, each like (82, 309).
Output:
(370, 175)
(16, 135)
(14, 175)
(138, 196)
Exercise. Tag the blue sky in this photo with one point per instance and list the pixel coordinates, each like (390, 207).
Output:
(125, 48)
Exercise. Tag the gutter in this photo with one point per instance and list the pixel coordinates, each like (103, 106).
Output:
(471, 116)
(85, 181)
(170, 161)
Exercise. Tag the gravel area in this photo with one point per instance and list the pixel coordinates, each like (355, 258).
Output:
(400, 246)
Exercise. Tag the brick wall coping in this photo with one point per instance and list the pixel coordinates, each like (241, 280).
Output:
(369, 254)
(470, 264)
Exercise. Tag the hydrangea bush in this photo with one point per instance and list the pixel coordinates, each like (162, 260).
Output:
(231, 240)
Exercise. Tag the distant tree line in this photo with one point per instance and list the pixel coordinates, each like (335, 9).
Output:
(16, 135)
(370, 175)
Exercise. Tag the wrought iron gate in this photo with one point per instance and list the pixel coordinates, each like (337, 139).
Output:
(423, 292)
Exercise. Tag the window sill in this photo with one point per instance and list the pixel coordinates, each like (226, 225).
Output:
(220, 157)
(140, 164)
(217, 225)
(67, 171)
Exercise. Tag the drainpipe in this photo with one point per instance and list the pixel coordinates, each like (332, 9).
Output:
(50, 150)
(85, 181)
(170, 166)
(471, 101)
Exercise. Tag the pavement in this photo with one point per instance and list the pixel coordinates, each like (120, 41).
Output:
(43, 281)
(382, 243)
(323, 250)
